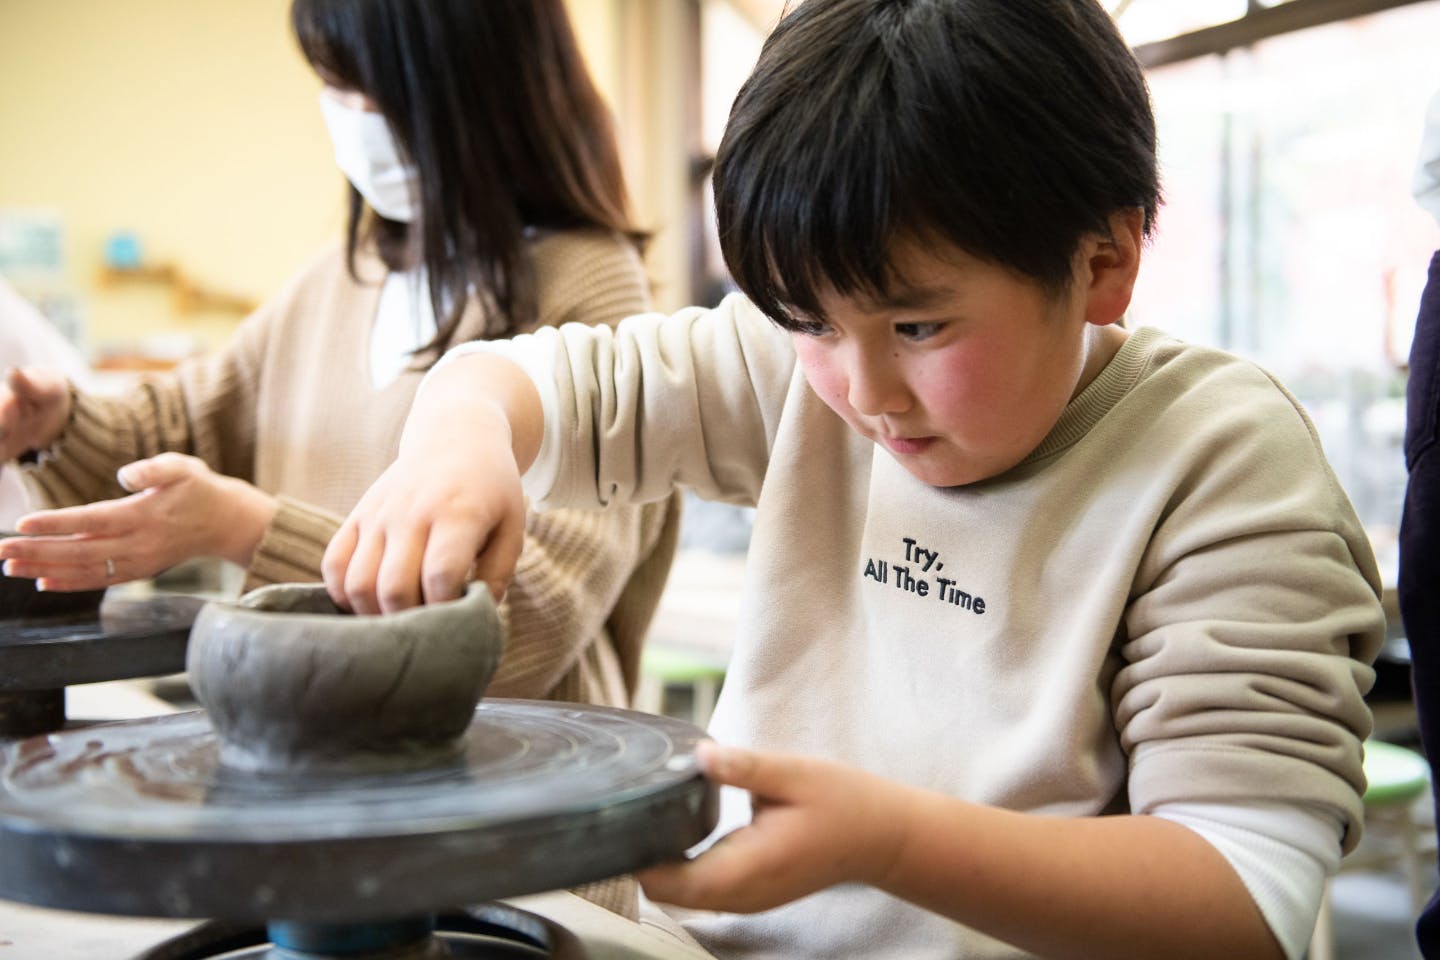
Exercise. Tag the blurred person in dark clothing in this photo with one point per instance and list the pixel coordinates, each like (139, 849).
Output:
(1420, 523)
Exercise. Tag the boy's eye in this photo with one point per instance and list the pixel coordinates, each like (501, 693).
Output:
(917, 331)
(809, 327)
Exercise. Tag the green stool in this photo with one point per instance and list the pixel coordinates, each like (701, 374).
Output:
(1395, 779)
(1394, 774)
(662, 667)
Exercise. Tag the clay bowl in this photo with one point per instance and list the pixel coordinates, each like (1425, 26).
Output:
(295, 685)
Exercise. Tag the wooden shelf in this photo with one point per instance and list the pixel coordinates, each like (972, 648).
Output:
(186, 295)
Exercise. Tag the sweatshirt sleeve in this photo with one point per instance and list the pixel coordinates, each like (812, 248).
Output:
(1252, 624)
(691, 399)
(587, 582)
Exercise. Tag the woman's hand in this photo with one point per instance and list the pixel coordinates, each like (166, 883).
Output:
(34, 405)
(816, 824)
(180, 509)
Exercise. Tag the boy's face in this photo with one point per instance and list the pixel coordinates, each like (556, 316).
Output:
(964, 368)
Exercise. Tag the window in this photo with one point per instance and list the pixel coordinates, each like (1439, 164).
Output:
(1145, 21)
(1289, 233)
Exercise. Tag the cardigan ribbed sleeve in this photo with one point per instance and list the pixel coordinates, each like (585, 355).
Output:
(293, 545)
(205, 408)
(105, 433)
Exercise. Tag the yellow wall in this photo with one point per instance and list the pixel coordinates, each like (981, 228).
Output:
(192, 123)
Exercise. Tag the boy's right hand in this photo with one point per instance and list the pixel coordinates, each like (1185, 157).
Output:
(448, 510)
(34, 406)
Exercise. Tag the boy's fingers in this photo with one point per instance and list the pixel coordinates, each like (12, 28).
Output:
(447, 558)
(762, 774)
(723, 877)
(496, 563)
(671, 883)
(364, 571)
(336, 561)
(398, 582)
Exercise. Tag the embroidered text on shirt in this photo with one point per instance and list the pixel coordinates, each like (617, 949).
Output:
(918, 561)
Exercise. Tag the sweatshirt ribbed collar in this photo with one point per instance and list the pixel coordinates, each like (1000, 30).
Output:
(1107, 389)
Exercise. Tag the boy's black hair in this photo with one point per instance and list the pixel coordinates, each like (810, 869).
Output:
(1009, 129)
(491, 101)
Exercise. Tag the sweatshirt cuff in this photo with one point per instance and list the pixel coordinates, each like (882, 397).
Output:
(293, 545)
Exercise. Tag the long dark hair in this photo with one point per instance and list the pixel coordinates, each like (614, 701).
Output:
(1006, 128)
(491, 102)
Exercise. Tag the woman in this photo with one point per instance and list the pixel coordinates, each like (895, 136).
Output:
(486, 199)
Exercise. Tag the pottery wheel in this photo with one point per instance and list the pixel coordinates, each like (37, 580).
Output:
(139, 818)
(120, 639)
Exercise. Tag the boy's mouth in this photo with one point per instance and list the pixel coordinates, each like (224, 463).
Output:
(907, 445)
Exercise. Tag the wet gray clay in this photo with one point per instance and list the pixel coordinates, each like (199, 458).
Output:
(295, 685)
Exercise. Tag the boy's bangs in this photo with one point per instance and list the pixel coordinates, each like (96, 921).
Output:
(969, 124)
(811, 190)
(797, 233)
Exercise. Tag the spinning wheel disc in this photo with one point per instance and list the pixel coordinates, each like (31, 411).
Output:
(140, 818)
(120, 639)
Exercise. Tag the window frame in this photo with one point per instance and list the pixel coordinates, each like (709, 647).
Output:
(1259, 23)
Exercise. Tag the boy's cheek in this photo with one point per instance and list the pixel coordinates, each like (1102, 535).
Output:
(824, 378)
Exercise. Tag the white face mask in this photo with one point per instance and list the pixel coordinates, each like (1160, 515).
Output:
(367, 154)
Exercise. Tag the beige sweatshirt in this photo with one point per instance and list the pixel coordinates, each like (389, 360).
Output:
(1168, 603)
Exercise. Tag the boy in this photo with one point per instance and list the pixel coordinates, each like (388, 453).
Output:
(1056, 635)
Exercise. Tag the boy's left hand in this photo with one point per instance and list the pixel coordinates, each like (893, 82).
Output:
(815, 824)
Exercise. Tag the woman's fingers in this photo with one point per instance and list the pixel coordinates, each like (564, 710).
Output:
(66, 563)
(159, 471)
(34, 405)
(105, 518)
(93, 577)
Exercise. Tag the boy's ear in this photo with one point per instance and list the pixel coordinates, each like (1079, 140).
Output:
(1114, 262)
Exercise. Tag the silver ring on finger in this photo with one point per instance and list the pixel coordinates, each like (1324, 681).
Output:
(109, 569)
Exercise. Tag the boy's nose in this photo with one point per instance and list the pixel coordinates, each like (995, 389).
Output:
(876, 388)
